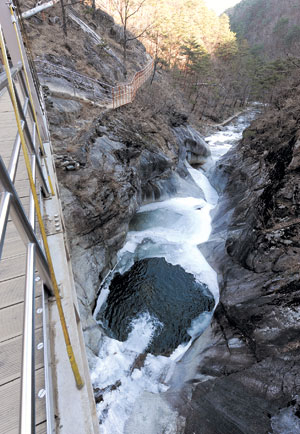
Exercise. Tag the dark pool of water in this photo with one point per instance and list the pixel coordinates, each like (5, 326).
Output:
(166, 291)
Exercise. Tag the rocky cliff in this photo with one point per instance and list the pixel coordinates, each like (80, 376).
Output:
(242, 375)
(108, 161)
(127, 158)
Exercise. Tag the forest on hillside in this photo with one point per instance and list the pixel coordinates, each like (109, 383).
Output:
(212, 60)
(272, 27)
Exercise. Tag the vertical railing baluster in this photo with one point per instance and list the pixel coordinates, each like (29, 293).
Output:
(27, 409)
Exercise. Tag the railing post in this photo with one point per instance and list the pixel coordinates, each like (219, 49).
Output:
(4, 209)
(27, 409)
(12, 45)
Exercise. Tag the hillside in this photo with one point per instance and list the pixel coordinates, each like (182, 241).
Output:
(272, 27)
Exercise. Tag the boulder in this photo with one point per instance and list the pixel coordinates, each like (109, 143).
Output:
(193, 145)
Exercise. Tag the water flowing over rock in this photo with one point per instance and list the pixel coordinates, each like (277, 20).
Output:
(166, 291)
(108, 171)
(249, 359)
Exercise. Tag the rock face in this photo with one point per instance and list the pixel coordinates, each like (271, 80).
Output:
(106, 171)
(193, 146)
(153, 285)
(108, 162)
(245, 368)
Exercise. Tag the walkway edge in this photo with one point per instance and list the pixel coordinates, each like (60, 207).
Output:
(76, 409)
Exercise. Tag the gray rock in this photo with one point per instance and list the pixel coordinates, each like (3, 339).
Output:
(194, 147)
(244, 369)
(54, 20)
(120, 168)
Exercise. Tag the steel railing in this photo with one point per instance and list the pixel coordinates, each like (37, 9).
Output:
(10, 205)
(17, 80)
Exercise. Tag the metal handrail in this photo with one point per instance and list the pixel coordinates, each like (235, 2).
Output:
(12, 171)
(10, 204)
(33, 149)
(23, 225)
(37, 252)
(27, 413)
(14, 160)
(3, 76)
(13, 165)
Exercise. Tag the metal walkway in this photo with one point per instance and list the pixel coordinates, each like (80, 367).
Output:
(12, 284)
(44, 377)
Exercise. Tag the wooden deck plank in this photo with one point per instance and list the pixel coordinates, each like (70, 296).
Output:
(10, 403)
(12, 267)
(22, 187)
(11, 320)
(41, 428)
(11, 232)
(12, 291)
(11, 357)
(13, 247)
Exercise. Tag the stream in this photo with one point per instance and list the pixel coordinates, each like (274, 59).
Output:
(147, 329)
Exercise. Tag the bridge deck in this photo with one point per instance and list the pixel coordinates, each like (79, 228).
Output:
(12, 284)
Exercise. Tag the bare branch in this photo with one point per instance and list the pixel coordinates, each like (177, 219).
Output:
(141, 34)
(118, 8)
(137, 9)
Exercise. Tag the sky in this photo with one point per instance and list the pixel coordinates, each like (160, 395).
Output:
(220, 6)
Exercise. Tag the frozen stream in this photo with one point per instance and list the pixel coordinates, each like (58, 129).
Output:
(172, 229)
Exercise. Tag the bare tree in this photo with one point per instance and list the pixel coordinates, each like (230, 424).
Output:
(126, 9)
(64, 16)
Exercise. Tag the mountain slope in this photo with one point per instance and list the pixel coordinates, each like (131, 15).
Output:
(272, 27)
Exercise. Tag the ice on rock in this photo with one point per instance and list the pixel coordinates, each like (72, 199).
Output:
(286, 422)
(172, 229)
